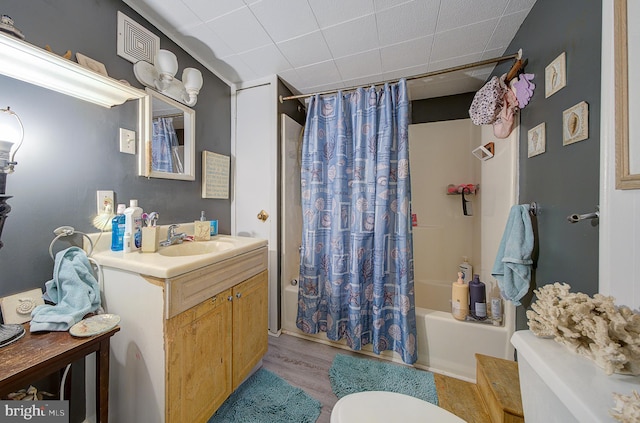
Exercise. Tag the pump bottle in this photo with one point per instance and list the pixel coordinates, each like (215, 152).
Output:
(460, 298)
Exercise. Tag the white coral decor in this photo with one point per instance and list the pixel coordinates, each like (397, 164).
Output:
(627, 409)
(593, 327)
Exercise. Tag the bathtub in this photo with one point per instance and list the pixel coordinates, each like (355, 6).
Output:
(445, 345)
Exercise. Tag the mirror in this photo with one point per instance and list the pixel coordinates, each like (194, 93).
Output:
(167, 147)
(627, 100)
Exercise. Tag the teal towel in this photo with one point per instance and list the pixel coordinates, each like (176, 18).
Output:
(512, 267)
(73, 289)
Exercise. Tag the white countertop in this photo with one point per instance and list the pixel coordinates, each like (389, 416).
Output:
(157, 265)
(583, 387)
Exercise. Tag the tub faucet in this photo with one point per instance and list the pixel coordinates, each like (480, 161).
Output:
(173, 237)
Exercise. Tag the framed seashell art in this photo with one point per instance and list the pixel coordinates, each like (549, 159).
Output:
(575, 123)
(555, 75)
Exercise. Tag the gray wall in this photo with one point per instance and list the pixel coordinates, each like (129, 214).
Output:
(71, 149)
(441, 108)
(564, 179)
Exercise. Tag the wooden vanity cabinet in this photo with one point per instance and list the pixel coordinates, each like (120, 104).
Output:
(212, 347)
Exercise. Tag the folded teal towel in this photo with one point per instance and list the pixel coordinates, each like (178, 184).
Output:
(73, 289)
(512, 267)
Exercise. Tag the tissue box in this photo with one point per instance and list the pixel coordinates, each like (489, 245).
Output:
(201, 230)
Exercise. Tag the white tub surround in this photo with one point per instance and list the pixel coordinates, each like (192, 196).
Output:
(559, 385)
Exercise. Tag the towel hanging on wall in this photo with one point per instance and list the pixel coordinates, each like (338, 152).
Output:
(513, 264)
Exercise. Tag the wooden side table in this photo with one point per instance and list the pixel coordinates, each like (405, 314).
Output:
(39, 354)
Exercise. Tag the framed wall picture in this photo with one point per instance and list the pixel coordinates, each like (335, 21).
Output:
(555, 75)
(89, 63)
(627, 91)
(537, 140)
(575, 123)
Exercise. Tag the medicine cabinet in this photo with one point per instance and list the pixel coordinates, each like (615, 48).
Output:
(167, 143)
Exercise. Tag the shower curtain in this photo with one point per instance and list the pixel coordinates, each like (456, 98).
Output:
(164, 147)
(356, 262)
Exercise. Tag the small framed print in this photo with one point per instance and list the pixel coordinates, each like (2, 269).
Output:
(89, 63)
(537, 140)
(575, 123)
(555, 75)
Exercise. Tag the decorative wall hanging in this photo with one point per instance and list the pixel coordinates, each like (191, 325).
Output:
(215, 175)
(555, 75)
(575, 123)
(626, 92)
(537, 140)
(89, 63)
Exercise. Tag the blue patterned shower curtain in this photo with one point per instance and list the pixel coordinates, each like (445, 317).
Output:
(356, 261)
(164, 147)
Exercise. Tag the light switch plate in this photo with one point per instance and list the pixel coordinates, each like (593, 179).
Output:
(127, 141)
(102, 198)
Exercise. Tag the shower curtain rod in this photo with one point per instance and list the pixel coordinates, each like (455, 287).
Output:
(516, 56)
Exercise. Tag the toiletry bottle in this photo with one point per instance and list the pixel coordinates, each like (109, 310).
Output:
(466, 269)
(496, 311)
(202, 218)
(460, 298)
(477, 298)
(132, 227)
(117, 229)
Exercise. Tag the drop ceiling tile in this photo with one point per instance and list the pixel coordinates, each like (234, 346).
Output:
(208, 10)
(519, 5)
(166, 13)
(361, 34)
(305, 50)
(285, 19)
(359, 65)
(447, 44)
(333, 12)
(239, 69)
(405, 73)
(457, 13)
(319, 74)
(364, 82)
(266, 60)
(380, 5)
(291, 77)
(404, 55)
(406, 22)
(205, 35)
(241, 30)
(506, 29)
(454, 61)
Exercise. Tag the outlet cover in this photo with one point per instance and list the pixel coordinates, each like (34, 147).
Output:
(127, 141)
(104, 198)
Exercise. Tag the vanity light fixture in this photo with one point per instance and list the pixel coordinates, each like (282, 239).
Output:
(161, 78)
(11, 136)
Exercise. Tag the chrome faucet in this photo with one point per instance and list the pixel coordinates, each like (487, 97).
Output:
(173, 237)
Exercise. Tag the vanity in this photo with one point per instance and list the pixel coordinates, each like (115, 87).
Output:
(193, 325)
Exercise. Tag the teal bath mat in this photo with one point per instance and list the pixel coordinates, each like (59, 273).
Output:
(267, 398)
(349, 375)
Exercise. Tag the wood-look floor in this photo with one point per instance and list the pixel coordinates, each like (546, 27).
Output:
(306, 364)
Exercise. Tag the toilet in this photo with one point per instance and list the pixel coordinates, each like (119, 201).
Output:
(378, 406)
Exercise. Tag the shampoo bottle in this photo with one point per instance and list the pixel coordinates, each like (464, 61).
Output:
(117, 229)
(478, 298)
(132, 239)
(460, 299)
(466, 269)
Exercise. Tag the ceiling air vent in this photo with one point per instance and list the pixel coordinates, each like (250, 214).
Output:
(135, 42)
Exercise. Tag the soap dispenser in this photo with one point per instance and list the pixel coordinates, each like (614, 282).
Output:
(478, 298)
(460, 298)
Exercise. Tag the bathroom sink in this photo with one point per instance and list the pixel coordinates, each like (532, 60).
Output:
(195, 248)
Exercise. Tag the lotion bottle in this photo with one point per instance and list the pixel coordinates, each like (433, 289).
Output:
(132, 239)
(460, 298)
(466, 269)
(478, 298)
